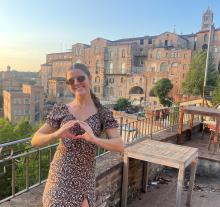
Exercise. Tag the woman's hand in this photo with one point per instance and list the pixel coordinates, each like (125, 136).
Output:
(63, 131)
(88, 135)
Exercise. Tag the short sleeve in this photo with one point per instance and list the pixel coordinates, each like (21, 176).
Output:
(108, 119)
(55, 116)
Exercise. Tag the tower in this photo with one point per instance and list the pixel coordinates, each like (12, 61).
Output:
(207, 19)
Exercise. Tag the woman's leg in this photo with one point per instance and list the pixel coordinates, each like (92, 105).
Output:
(85, 203)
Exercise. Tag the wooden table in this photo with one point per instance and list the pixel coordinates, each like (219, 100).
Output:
(203, 111)
(162, 153)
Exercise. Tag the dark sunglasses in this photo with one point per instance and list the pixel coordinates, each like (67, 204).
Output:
(80, 79)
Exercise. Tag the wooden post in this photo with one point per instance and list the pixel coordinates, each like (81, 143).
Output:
(180, 141)
(216, 141)
(180, 185)
(191, 125)
(125, 181)
(191, 182)
(145, 176)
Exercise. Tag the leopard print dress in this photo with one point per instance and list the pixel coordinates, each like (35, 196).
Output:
(72, 171)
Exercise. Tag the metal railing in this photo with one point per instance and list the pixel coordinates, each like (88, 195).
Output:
(22, 167)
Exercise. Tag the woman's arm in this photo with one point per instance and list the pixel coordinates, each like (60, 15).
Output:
(43, 136)
(47, 134)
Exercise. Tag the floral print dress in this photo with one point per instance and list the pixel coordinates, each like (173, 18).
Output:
(71, 176)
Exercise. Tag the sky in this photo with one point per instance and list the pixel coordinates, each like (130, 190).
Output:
(30, 29)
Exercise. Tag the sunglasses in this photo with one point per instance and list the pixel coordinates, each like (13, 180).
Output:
(80, 79)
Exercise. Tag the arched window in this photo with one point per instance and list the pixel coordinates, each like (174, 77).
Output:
(123, 68)
(174, 64)
(163, 67)
(205, 38)
(111, 68)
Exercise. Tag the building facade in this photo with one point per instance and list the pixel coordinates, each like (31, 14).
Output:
(130, 67)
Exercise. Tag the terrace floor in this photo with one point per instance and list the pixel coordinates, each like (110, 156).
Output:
(164, 195)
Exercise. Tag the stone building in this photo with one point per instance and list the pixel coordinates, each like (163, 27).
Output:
(130, 67)
(26, 102)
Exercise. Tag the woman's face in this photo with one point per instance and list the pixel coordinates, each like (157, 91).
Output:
(79, 82)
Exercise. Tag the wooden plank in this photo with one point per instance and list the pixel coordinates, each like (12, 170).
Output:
(125, 181)
(191, 182)
(180, 186)
(155, 160)
(205, 111)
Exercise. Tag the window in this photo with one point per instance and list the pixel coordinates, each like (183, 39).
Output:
(97, 67)
(123, 68)
(215, 37)
(140, 80)
(141, 41)
(96, 49)
(166, 43)
(163, 67)
(97, 79)
(121, 79)
(158, 55)
(123, 53)
(26, 112)
(111, 91)
(153, 67)
(205, 38)
(111, 68)
(149, 41)
(26, 101)
(110, 55)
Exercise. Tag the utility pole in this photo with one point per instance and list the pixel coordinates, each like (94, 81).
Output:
(206, 66)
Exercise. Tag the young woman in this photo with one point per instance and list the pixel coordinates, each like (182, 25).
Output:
(71, 179)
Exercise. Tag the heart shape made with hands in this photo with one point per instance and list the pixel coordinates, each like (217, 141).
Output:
(77, 130)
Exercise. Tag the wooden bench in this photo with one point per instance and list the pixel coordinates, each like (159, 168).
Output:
(162, 153)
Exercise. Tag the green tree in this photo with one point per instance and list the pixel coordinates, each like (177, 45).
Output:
(6, 131)
(122, 104)
(193, 84)
(23, 129)
(162, 89)
(216, 92)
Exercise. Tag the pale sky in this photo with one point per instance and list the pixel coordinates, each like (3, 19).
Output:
(30, 29)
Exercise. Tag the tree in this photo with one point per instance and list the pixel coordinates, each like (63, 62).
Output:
(193, 84)
(122, 104)
(216, 92)
(23, 129)
(6, 131)
(161, 90)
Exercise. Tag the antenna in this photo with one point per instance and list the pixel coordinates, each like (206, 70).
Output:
(174, 28)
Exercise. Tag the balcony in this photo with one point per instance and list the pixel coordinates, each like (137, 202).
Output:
(27, 187)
